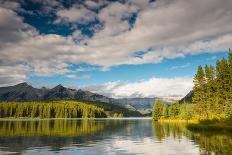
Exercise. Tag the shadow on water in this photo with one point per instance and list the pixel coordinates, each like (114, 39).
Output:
(208, 142)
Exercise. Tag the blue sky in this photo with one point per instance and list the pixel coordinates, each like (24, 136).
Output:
(127, 48)
(179, 67)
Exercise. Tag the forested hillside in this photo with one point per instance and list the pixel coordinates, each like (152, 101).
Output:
(113, 110)
(212, 97)
(63, 109)
(52, 109)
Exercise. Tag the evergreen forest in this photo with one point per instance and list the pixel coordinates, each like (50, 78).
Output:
(212, 98)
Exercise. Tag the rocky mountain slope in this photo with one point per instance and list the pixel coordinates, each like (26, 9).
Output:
(187, 98)
(25, 92)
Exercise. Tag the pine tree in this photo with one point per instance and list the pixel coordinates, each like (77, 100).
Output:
(223, 87)
(199, 89)
(210, 89)
(165, 111)
(228, 102)
(230, 74)
(157, 112)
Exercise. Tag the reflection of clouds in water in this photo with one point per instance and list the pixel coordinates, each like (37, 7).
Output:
(149, 146)
(120, 137)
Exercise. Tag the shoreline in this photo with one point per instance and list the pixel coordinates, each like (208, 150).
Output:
(204, 127)
(109, 118)
(195, 125)
(177, 121)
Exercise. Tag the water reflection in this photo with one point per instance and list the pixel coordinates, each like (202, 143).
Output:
(57, 127)
(107, 137)
(208, 142)
(214, 143)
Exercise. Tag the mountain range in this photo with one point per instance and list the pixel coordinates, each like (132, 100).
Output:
(25, 92)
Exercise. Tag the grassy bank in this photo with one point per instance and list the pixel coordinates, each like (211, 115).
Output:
(219, 126)
(210, 127)
(177, 121)
(202, 125)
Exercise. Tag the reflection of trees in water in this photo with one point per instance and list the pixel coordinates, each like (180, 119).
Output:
(53, 134)
(213, 142)
(208, 142)
(174, 130)
(49, 128)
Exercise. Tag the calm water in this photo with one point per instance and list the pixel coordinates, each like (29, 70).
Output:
(104, 136)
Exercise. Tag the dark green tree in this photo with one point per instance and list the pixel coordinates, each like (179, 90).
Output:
(210, 89)
(165, 111)
(157, 111)
(199, 89)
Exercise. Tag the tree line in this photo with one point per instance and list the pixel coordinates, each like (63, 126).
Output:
(212, 98)
(51, 109)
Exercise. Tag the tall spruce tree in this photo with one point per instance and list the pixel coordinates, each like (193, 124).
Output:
(199, 90)
(228, 102)
(157, 112)
(223, 87)
(230, 74)
(209, 89)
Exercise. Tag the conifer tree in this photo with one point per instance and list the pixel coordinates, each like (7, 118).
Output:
(212, 94)
(223, 87)
(210, 88)
(230, 74)
(199, 89)
(165, 111)
(157, 112)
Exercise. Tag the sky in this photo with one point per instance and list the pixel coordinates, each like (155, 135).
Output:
(118, 48)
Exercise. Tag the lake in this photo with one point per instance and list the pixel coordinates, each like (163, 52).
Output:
(107, 136)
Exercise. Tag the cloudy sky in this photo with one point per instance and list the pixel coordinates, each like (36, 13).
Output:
(125, 48)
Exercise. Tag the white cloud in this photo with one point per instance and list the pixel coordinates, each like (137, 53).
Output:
(75, 14)
(95, 4)
(171, 28)
(175, 88)
(148, 146)
(73, 76)
(180, 66)
(12, 74)
(12, 28)
(112, 18)
(10, 5)
(86, 69)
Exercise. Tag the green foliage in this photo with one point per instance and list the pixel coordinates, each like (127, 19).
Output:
(199, 89)
(209, 142)
(118, 115)
(52, 109)
(56, 127)
(212, 95)
(186, 111)
(157, 110)
(165, 111)
(111, 109)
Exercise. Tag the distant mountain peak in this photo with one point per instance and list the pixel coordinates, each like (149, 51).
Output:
(23, 84)
(59, 87)
(187, 98)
